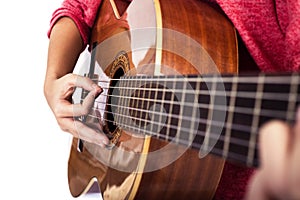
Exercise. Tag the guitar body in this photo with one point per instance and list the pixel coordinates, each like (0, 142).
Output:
(143, 37)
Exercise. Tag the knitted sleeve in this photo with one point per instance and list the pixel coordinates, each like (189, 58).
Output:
(292, 36)
(82, 12)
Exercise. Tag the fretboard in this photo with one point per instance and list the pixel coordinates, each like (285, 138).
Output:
(214, 114)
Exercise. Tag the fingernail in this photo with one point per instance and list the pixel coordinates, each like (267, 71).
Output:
(97, 87)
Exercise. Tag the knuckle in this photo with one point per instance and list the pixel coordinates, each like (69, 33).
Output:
(70, 80)
(85, 110)
(70, 76)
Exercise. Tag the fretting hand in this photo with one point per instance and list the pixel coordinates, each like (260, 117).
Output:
(278, 176)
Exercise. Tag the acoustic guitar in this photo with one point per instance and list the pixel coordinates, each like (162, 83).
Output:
(173, 104)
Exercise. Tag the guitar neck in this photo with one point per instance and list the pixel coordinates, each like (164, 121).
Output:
(214, 114)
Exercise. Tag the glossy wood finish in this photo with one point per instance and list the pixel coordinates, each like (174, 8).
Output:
(209, 28)
(188, 177)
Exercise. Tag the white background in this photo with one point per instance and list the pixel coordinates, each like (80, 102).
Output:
(33, 149)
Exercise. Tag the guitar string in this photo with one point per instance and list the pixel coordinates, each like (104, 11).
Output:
(221, 107)
(242, 94)
(272, 81)
(218, 137)
(269, 78)
(238, 141)
(241, 110)
(273, 96)
(238, 127)
(269, 113)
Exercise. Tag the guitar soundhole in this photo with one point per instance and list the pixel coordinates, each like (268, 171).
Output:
(110, 127)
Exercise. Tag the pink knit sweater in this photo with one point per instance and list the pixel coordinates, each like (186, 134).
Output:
(270, 30)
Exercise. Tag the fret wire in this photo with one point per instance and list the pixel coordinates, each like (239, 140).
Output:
(142, 104)
(231, 109)
(292, 97)
(118, 109)
(148, 102)
(119, 102)
(163, 101)
(255, 118)
(122, 102)
(129, 94)
(180, 116)
(127, 102)
(136, 99)
(195, 115)
(170, 111)
(123, 107)
(210, 114)
(153, 107)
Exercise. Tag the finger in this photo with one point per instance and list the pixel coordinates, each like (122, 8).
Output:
(67, 109)
(79, 130)
(90, 135)
(294, 173)
(297, 131)
(85, 107)
(273, 136)
(274, 147)
(82, 82)
(256, 188)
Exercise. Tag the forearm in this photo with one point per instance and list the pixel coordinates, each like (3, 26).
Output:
(65, 46)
